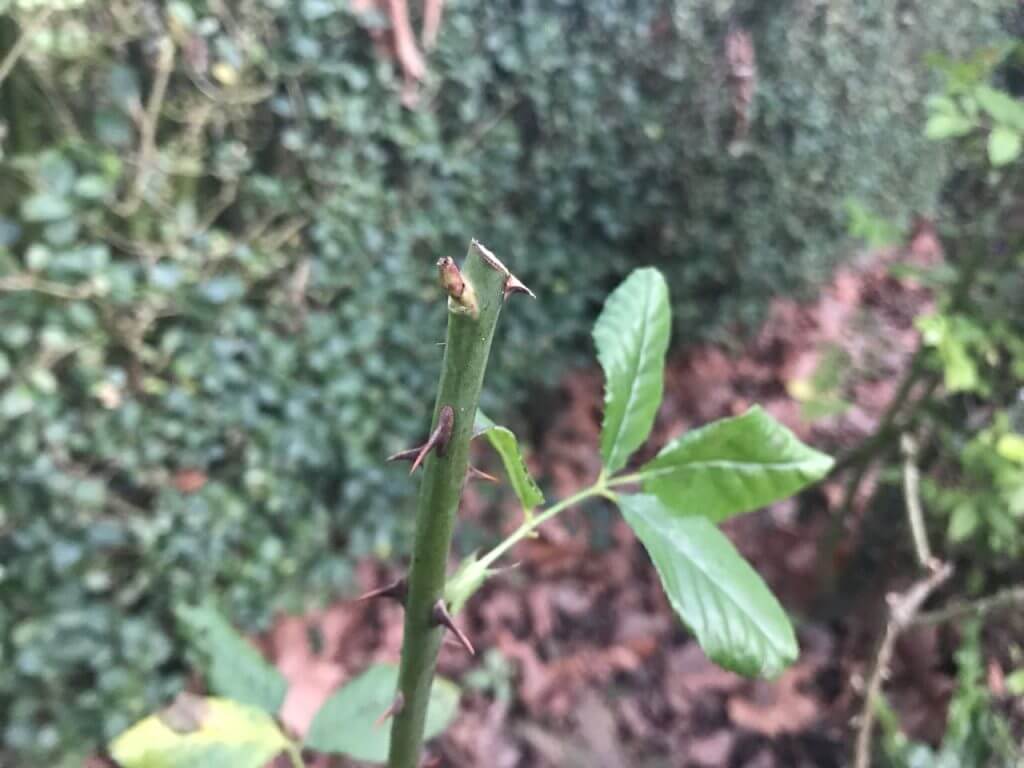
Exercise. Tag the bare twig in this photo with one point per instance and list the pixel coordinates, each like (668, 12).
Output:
(431, 23)
(474, 139)
(902, 610)
(903, 607)
(149, 119)
(22, 43)
(1006, 598)
(28, 283)
(912, 493)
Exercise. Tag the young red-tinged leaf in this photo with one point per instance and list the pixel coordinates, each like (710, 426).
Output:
(734, 616)
(732, 466)
(346, 722)
(632, 337)
(503, 440)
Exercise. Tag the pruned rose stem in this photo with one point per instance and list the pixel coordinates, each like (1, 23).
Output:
(470, 331)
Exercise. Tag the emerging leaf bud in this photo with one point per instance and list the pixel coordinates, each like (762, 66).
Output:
(461, 296)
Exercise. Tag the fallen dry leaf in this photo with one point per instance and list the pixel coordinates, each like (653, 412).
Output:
(776, 707)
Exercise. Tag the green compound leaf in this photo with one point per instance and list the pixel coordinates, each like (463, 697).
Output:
(233, 667)
(632, 337)
(732, 466)
(503, 440)
(734, 616)
(196, 731)
(347, 722)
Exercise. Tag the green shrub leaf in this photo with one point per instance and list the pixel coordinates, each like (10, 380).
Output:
(196, 731)
(942, 126)
(734, 616)
(45, 207)
(632, 337)
(347, 722)
(503, 440)
(233, 667)
(1004, 145)
(732, 466)
(1001, 106)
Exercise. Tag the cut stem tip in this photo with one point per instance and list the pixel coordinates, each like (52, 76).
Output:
(512, 283)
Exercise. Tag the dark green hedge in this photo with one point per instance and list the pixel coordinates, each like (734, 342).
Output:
(249, 315)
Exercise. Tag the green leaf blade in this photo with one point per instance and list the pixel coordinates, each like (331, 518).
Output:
(732, 466)
(504, 442)
(346, 724)
(1004, 145)
(1001, 106)
(947, 126)
(233, 667)
(632, 335)
(734, 616)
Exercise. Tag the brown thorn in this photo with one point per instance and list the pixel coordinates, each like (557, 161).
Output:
(514, 285)
(479, 474)
(393, 709)
(439, 438)
(438, 441)
(444, 619)
(406, 455)
(396, 591)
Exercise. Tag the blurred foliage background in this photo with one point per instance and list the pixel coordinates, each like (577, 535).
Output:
(218, 223)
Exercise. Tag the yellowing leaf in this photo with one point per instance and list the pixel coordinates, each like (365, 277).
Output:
(946, 126)
(1011, 447)
(224, 73)
(196, 731)
(800, 389)
(1004, 145)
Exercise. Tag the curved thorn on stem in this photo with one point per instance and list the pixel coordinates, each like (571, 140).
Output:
(393, 709)
(444, 619)
(479, 474)
(438, 441)
(396, 591)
